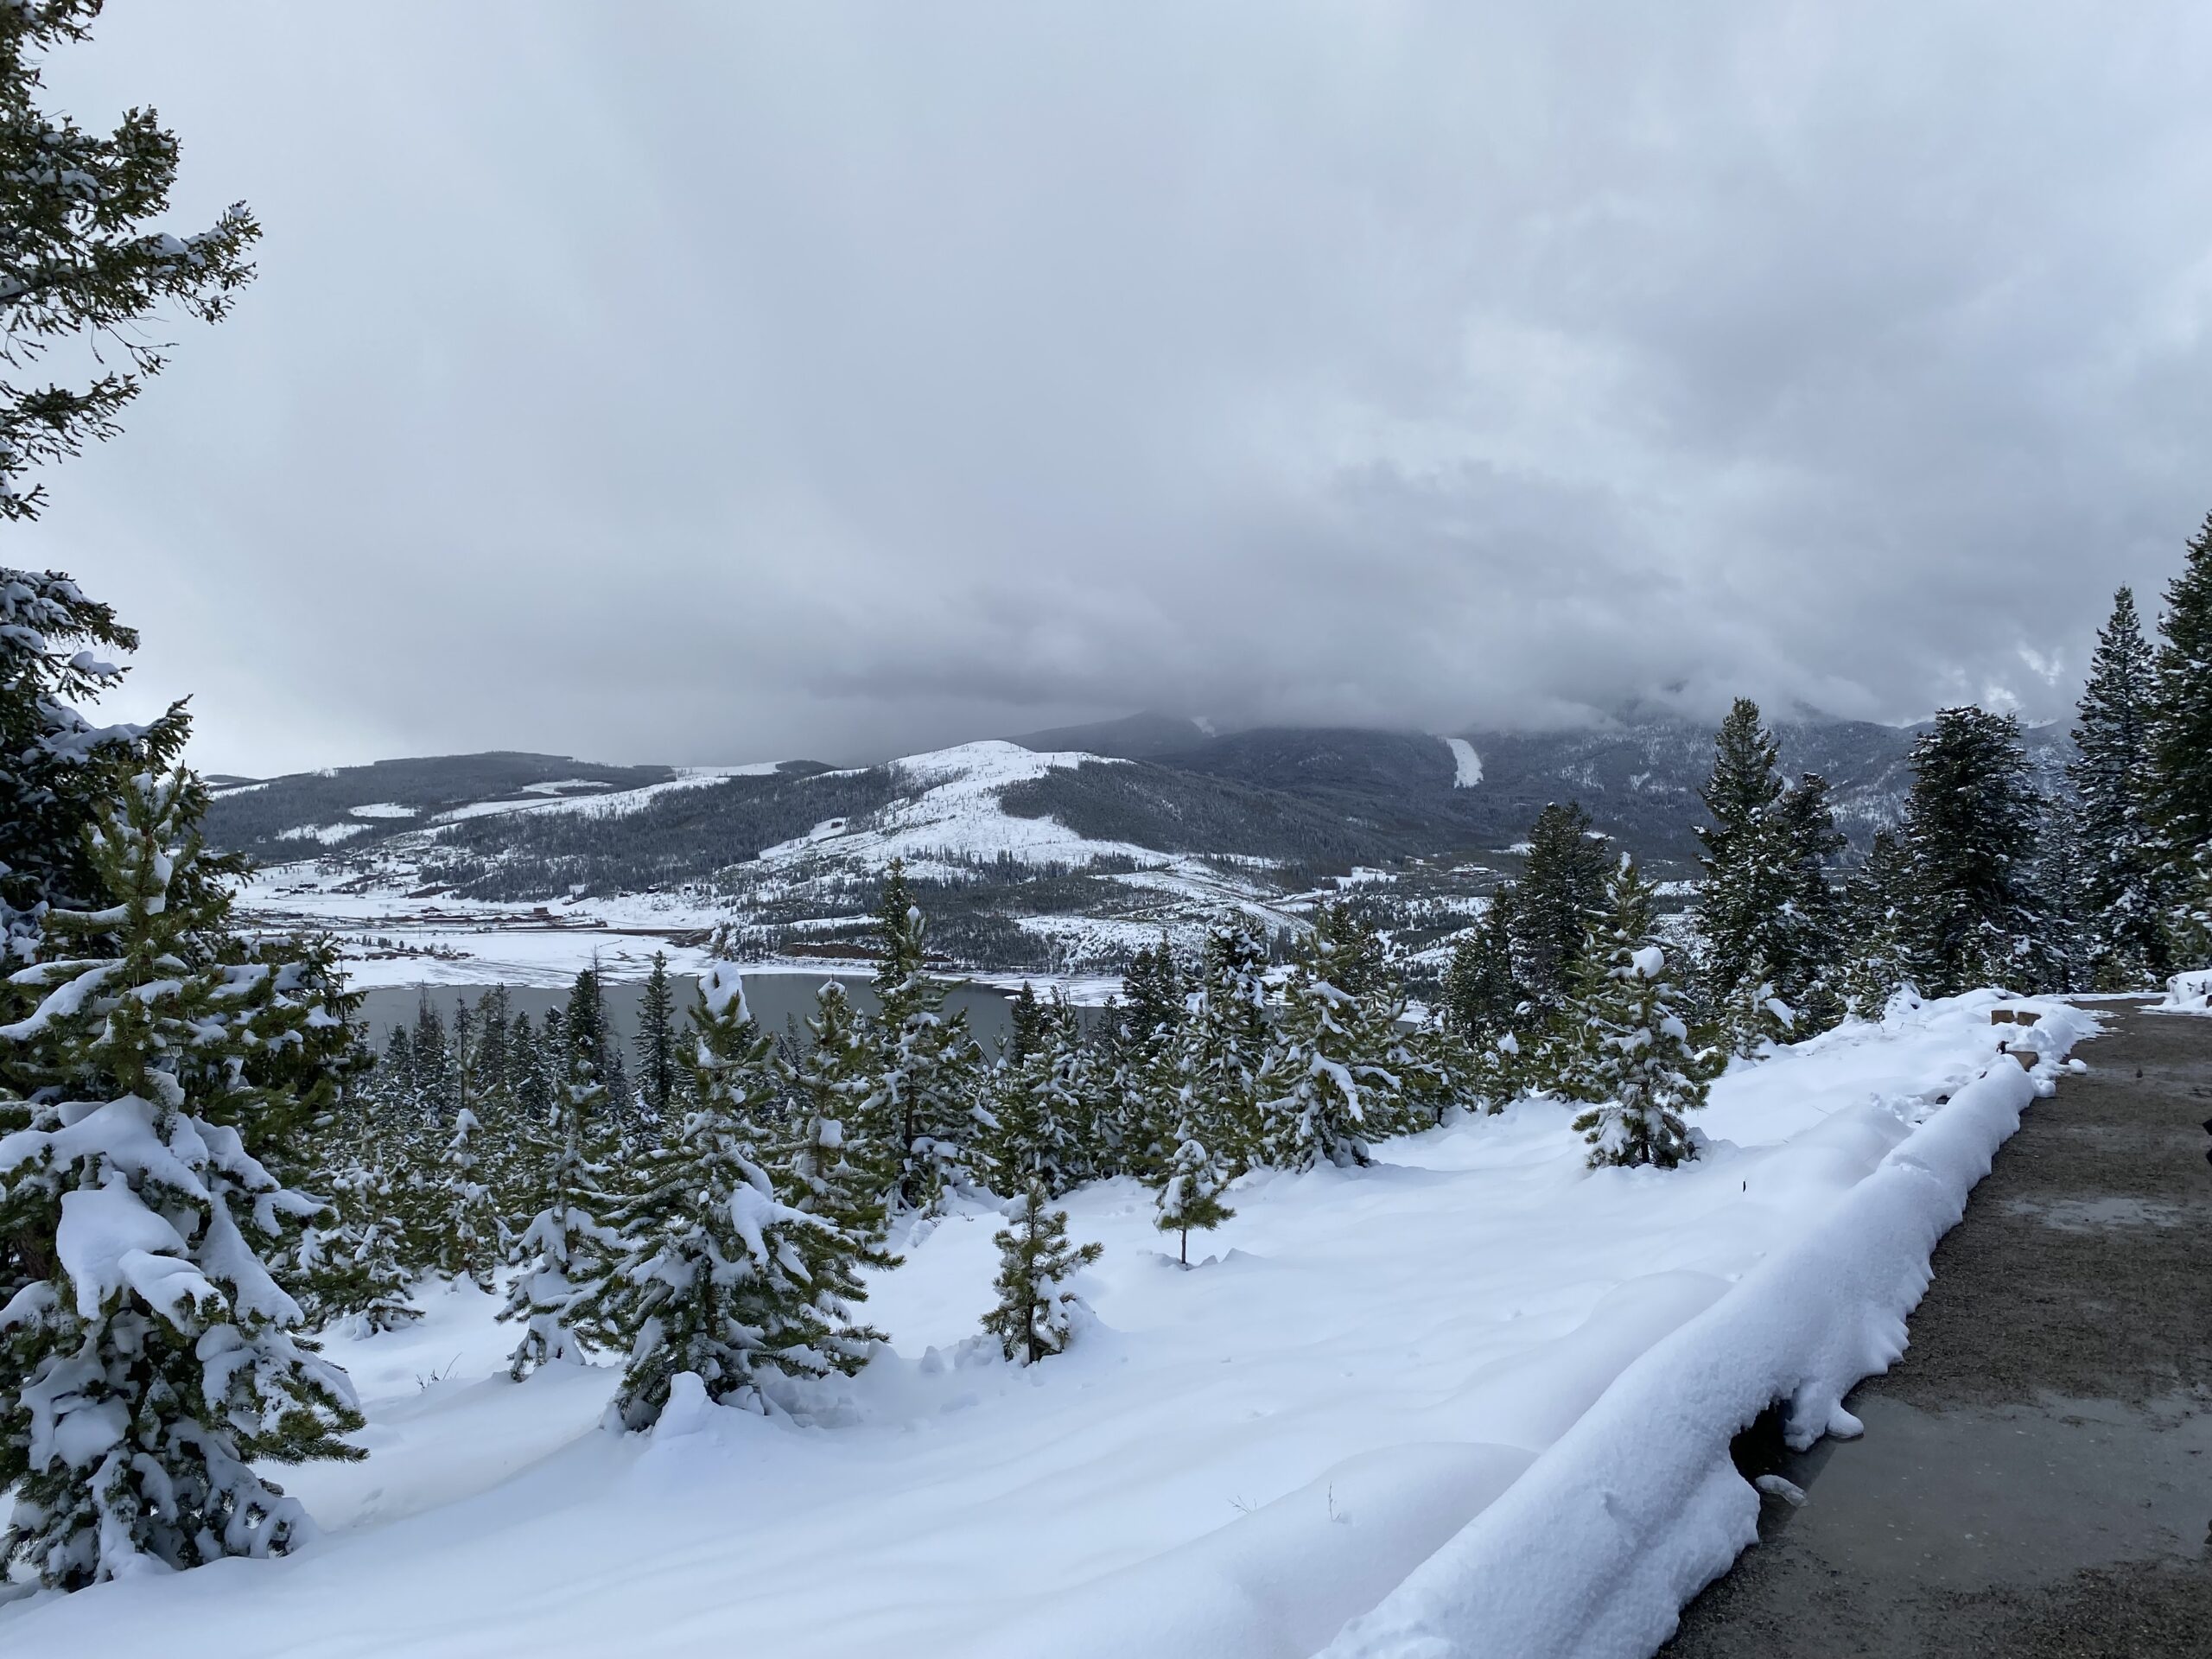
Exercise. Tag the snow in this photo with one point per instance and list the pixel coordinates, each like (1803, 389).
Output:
(1467, 765)
(1475, 1398)
(2188, 993)
(325, 833)
(385, 810)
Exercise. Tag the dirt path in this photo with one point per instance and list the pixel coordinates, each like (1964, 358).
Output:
(2036, 1477)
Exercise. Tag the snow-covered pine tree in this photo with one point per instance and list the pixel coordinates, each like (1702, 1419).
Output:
(1875, 897)
(1634, 1061)
(1560, 897)
(2125, 895)
(1324, 1088)
(150, 1360)
(436, 1096)
(1153, 1004)
(1481, 996)
(1970, 831)
(657, 1040)
(365, 1286)
(565, 1252)
(1037, 1103)
(1745, 884)
(83, 262)
(1190, 1196)
(1753, 1018)
(2181, 745)
(834, 1168)
(474, 1238)
(1033, 1318)
(1809, 933)
(927, 1069)
(720, 1277)
(1224, 1044)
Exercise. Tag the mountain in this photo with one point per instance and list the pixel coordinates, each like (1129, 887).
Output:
(1031, 857)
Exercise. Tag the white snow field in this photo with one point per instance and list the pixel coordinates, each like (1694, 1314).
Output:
(1474, 1399)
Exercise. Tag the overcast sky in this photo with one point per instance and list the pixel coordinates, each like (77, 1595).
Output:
(720, 383)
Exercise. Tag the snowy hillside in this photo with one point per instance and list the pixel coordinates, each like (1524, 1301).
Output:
(1474, 1400)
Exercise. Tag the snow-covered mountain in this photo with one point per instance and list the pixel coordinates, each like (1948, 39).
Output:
(1034, 855)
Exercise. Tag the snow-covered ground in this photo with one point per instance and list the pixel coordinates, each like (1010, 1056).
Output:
(1476, 1399)
(2188, 993)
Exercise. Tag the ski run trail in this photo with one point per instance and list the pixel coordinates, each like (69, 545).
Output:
(1474, 1400)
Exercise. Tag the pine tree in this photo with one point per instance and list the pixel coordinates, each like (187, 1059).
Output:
(1481, 996)
(1809, 931)
(657, 1043)
(1035, 1315)
(1559, 896)
(2181, 721)
(473, 1240)
(1744, 887)
(1038, 1103)
(1970, 831)
(723, 1278)
(1875, 899)
(150, 1361)
(82, 262)
(2125, 892)
(1154, 1005)
(565, 1253)
(436, 1096)
(927, 1068)
(835, 1171)
(1324, 1089)
(1636, 1062)
(1224, 1044)
(1190, 1196)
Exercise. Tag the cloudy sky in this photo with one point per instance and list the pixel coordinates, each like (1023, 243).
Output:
(725, 382)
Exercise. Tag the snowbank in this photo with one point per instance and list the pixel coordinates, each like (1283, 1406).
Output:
(1637, 1507)
(2189, 993)
(1475, 1398)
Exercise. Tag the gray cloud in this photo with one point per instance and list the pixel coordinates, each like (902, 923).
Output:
(720, 383)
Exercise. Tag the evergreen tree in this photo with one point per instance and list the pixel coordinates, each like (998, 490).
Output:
(1809, 939)
(1481, 996)
(1223, 1045)
(2124, 894)
(1190, 1196)
(473, 1240)
(1154, 1005)
(1970, 831)
(722, 1278)
(433, 1070)
(82, 262)
(1035, 1315)
(1560, 897)
(657, 1042)
(1876, 900)
(2181, 721)
(1324, 1088)
(1745, 887)
(1634, 1059)
(1037, 1103)
(147, 1359)
(835, 1171)
(927, 1066)
(565, 1253)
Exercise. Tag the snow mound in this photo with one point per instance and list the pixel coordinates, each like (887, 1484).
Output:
(2189, 993)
